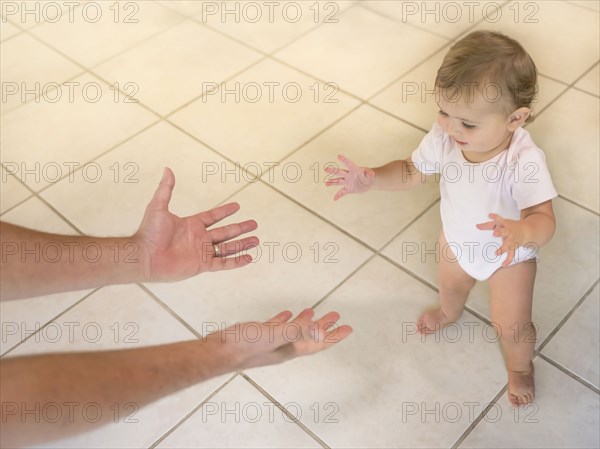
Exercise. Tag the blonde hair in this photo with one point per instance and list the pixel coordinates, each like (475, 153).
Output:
(484, 58)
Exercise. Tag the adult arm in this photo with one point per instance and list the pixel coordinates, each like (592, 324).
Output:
(165, 248)
(137, 377)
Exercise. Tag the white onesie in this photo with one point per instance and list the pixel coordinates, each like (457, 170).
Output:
(515, 179)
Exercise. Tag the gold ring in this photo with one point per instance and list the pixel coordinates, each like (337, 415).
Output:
(217, 250)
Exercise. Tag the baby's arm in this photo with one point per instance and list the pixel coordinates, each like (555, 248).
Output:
(538, 223)
(534, 229)
(395, 175)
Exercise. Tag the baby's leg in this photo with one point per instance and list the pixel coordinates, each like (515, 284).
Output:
(454, 285)
(511, 296)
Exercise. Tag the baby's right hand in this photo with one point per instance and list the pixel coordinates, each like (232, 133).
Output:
(354, 180)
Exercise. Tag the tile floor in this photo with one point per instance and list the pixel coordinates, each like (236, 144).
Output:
(278, 93)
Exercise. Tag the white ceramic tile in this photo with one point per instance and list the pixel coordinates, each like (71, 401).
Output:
(34, 214)
(445, 18)
(591, 81)
(358, 64)
(186, 7)
(113, 317)
(412, 97)
(129, 175)
(369, 138)
(239, 416)
(568, 133)
(168, 74)
(44, 139)
(103, 29)
(415, 248)
(268, 27)
(575, 346)
(7, 29)
(540, 26)
(300, 259)
(12, 191)
(27, 15)
(589, 4)
(561, 281)
(373, 388)
(30, 77)
(22, 317)
(565, 414)
(121, 317)
(277, 110)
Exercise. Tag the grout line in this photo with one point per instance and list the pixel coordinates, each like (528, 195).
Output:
(284, 410)
(570, 373)
(364, 5)
(566, 317)
(100, 155)
(31, 195)
(568, 87)
(51, 320)
(397, 117)
(170, 311)
(272, 52)
(89, 69)
(343, 281)
(221, 84)
(575, 203)
(583, 91)
(326, 220)
(449, 43)
(410, 223)
(477, 420)
(577, 5)
(194, 410)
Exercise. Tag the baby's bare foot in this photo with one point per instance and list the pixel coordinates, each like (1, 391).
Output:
(521, 387)
(432, 321)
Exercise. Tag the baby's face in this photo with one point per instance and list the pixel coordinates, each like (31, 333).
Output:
(480, 128)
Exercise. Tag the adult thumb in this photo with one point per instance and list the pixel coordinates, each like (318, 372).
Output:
(162, 195)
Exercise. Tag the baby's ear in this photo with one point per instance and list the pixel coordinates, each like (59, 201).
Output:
(518, 117)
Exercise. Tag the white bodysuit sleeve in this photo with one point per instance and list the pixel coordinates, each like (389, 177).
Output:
(531, 181)
(428, 155)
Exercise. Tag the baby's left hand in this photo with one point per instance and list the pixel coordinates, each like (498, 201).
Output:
(511, 232)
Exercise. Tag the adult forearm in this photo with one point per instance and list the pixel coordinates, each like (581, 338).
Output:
(103, 384)
(36, 263)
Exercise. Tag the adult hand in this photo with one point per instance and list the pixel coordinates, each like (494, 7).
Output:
(511, 232)
(174, 248)
(253, 344)
(353, 180)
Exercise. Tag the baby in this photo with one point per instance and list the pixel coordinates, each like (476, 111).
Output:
(496, 192)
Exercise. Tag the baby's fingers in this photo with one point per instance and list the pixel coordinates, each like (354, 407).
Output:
(347, 162)
(335, 181)
(335, 171)
(486, 226)
(340, 193)
(510, 255)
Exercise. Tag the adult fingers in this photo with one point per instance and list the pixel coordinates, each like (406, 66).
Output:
(212, 216)
(162, 194)
(232, 231)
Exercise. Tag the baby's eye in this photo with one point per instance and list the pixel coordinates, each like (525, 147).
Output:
(468, 126)
(442, 113)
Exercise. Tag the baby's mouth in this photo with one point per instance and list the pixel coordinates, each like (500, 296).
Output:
(462, 144)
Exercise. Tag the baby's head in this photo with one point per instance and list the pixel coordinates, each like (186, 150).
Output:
(485, 89)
